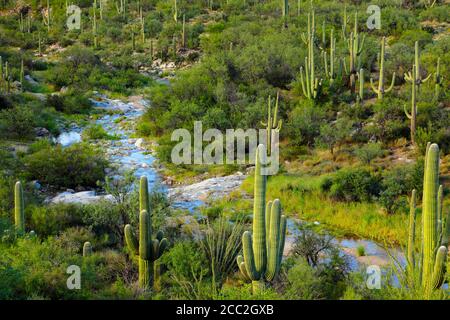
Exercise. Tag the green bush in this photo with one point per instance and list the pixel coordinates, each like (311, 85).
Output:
(77, 165)
(355, 185)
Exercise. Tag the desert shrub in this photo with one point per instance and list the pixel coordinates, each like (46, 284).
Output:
(244, 292)
(72, 102)
(400, 181)
(77, 165)
(53, 219)
(17, 123)
(94, 132)
(355, 185)
(187, 271)
(369, 152)
(304, 124)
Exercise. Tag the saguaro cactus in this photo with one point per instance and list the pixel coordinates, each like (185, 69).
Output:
(87, 249)
(273, 123)
(414, 76)
(360, 96)
(285, 10)
(381, 90)
(329, 71)
(94, 23)
(412, 116)
(262, 254)
(435, 233)
(310, 84)
(355, 44)
(438, 80)
(19, 208)
(147, 250)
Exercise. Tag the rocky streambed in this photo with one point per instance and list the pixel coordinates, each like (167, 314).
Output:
(126, 153)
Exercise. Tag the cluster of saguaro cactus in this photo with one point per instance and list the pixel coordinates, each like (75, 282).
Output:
(431, 266)
(355, 43)
(412, 116)
(262, 253)
(309, 82)
(147, 250)
(273, 123)
(380, 91)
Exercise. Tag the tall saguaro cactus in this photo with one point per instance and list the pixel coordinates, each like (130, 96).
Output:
(412, 116)
(19, 208)
(309, 82)
(381, 90)
(263, 252)
(355, 45)
(435, 233)
(329, 71)
(147, 250)
(87, 249)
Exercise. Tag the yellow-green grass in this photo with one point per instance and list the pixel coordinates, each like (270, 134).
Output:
(301, 198)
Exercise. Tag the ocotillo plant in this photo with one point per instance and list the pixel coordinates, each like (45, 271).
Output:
(87, 249)
(147, 250)
(19, 208)
(435, 233)
(262, 254)
(355, 44)
(273, 123)
(329, 71)
(414, 76)
(412, 116)
(381, 90)
(438, 80)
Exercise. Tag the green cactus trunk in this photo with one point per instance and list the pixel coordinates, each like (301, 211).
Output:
(259, 207)
(262, 255)
(355, 45)
(19, 208)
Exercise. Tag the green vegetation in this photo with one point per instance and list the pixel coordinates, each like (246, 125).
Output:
(358, 109)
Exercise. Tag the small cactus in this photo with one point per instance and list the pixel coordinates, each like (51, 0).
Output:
(87, 249)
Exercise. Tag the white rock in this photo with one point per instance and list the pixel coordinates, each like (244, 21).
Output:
(139, 143)
(83, 197)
